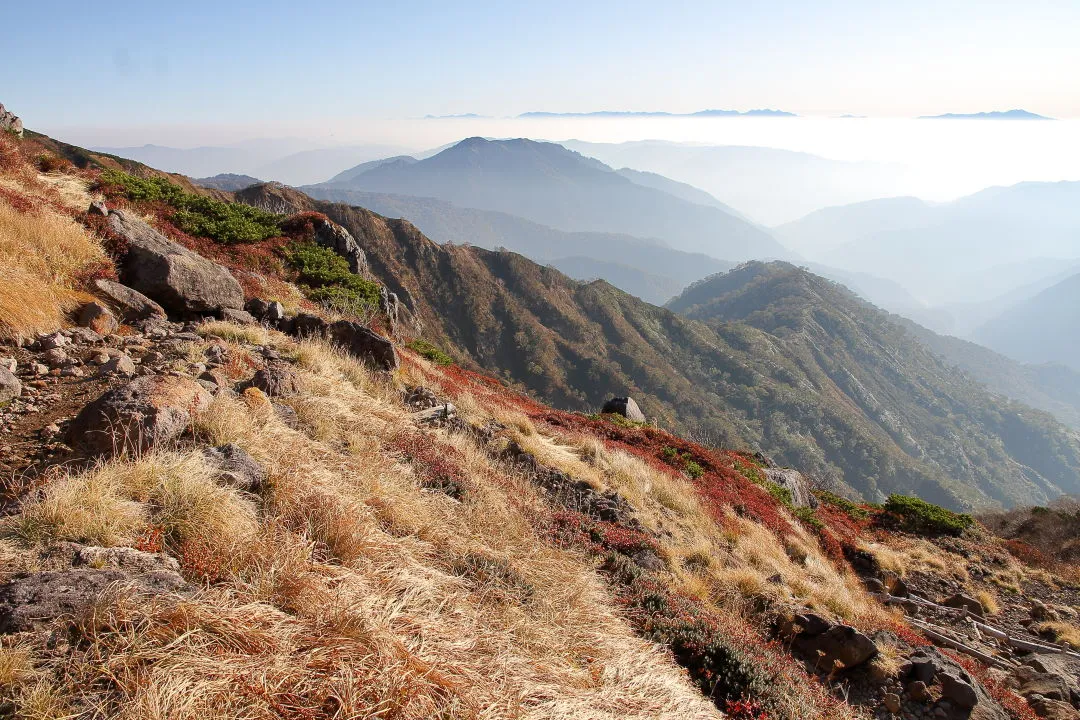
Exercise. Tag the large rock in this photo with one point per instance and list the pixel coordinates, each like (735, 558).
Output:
(333, 236)
(624, 406)
(795, 482)
(180, 280)
(130, 304)
(359, 341)
(10, 387)
(32, 601)
(137, 416)
(840, 647)
(1064, 666)
(10, 122)
(1029, 681)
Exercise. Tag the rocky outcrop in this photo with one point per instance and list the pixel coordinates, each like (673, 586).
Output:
(277, 380)
(795, 482)
(829, 647)
(10, 122)
(361, 342)
(180, 280)
(137, 416)
(959, 696)
(333, 236)
(625, 406)
(131, 305)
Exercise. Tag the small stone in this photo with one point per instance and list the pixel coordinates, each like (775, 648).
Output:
(119, 365)
(56, 340)
(891, 701)
(55, 357)
(39, 369)
(98, 318)
(918, 691)
(10, 386)
(958, 692)
(153, 357)
(275, 311)
(625, 406)
(73, 371)
(9, 364)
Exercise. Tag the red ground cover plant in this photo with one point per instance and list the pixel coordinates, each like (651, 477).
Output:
(437, 463)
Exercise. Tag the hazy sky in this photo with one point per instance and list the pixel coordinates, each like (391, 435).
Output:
(320, 64)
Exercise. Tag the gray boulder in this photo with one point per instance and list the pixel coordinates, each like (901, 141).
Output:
(180, 280)
(839, 647)
(361, 342)
(237, 468)
(625, 406)
(32, 601)
(119, 364)
(137, 416)
(130, 304)
(10, 387)
(240, 317)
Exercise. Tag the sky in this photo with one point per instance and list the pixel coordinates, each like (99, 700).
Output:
(321, 67)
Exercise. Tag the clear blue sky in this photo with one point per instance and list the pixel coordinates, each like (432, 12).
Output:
(137, 63)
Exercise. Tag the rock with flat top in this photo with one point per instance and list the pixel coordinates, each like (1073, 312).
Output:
(137, 416)
(625, 406)
(33, 601)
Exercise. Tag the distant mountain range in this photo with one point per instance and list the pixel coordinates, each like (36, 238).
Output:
(1051, 387)
(973, 249)
(995, 115)
(764, 112)
(294, 162)
(551, 185)
(1043, 328)
(770, 186)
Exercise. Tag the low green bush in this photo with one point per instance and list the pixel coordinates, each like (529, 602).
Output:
(431, 352)
(843, 503)
(224, 222)
(327, 279)
(920, 516)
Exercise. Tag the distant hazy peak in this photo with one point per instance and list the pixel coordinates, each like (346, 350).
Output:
(767, 112)
(1016, 114)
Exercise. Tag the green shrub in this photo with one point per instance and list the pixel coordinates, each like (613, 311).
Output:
(920, 516)
(224, 222)
(807, 516)
(843, 503)
(327, 280)
(693, 469)
(781, 493)
(429, 351)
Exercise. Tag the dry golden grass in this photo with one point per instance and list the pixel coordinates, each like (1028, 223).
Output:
(989, 602)
(41, 255)
(345, 589)
(1061, 632)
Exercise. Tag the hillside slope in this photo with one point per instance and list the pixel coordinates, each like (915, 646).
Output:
(732, 382)
(548, 184)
